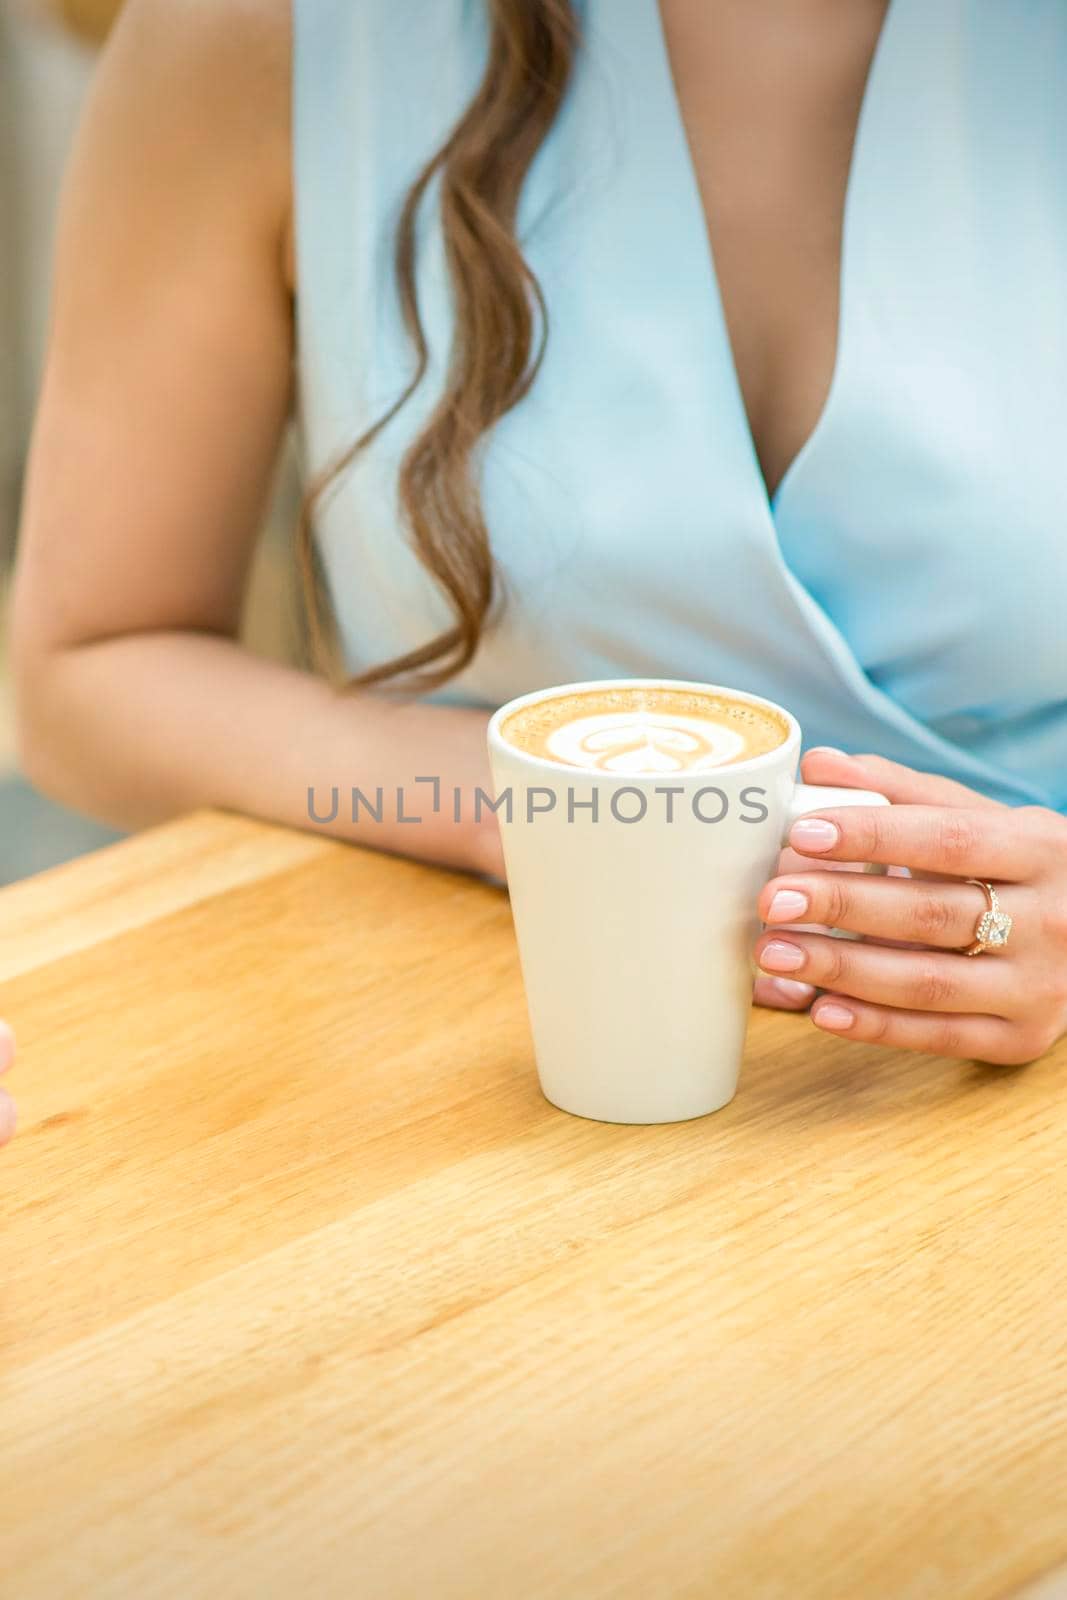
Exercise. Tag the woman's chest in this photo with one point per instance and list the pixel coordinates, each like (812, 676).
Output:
(769, 104)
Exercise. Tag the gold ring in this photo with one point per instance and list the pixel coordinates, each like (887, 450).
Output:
(993, 926)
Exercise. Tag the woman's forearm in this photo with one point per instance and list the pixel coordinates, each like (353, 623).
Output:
(140, 728)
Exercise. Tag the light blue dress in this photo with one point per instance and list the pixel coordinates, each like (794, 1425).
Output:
(906, 592)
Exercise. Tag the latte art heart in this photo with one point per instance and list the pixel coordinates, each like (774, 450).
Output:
(625, 743)
(661, 730)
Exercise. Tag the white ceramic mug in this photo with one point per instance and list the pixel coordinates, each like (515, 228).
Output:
(636, 925)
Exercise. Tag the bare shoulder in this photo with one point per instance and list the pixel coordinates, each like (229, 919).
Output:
(204, 86)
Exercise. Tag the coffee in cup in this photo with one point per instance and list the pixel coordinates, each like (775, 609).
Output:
(644, 730)
(640, 819)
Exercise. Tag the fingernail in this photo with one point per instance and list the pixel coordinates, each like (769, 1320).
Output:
(788, 905)
(781, 956)
(834, 1016)
(828, 750)
(814, 834)
(7, 1047)
(791, 990)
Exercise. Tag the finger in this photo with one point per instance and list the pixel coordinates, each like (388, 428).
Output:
(919, 980)
(921, 911)
(790, 861)
(7, 1117)
(7, 1046)
(1005, 843)
(972, 1037)
(903, 785)
(783, 994)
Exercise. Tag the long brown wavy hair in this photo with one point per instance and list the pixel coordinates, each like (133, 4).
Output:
(500, 329)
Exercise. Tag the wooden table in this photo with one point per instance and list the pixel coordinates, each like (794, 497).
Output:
(307, 1291)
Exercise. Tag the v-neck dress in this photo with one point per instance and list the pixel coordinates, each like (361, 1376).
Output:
(906, 590)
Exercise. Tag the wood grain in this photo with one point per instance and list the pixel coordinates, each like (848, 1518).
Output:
(1053, 1586)
(89, 901)
(307, 1290)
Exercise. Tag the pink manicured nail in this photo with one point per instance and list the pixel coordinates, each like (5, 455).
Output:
(792, 991)
(828, 750)
(788, 905)
(813, 835)
(781, 956)
(7, 1047)
(834, 1016)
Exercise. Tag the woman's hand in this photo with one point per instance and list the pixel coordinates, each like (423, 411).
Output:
(794, 994)
(907, 984)
(7, 1106)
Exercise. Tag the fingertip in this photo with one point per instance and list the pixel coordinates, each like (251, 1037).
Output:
(783, 994)
(764, 898)
(7, 1046)
(834, 1016)
(828, 755)
(824, 763)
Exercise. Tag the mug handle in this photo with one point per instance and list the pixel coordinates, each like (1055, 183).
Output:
(808, 797)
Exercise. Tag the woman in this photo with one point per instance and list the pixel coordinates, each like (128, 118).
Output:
(772, 440)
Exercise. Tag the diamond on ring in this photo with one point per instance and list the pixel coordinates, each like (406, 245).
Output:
(993, 926)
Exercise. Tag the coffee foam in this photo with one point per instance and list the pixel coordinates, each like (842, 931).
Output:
(630, 731)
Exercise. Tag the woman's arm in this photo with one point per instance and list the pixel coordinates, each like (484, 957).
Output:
(166, 392)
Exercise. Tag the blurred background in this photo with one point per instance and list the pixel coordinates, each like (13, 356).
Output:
(48, 52)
